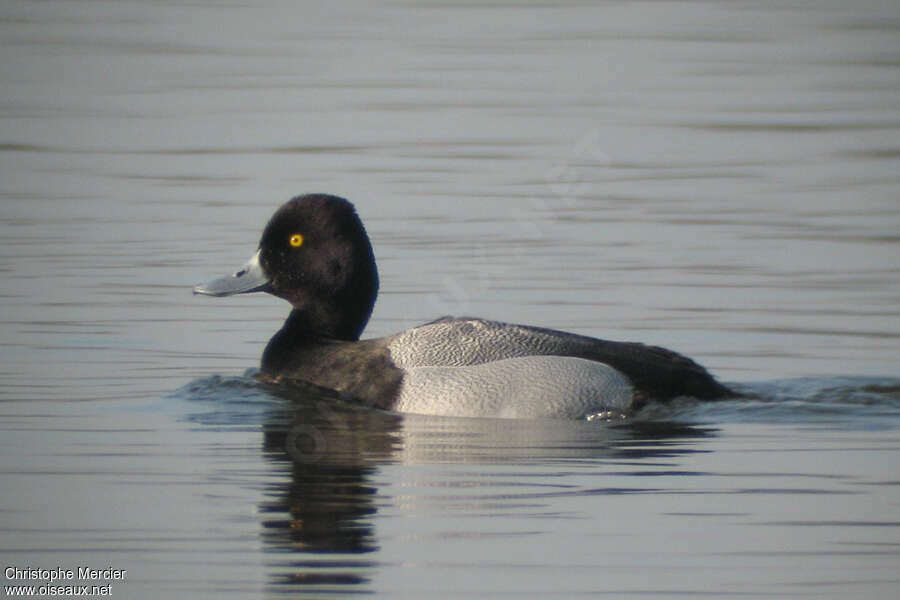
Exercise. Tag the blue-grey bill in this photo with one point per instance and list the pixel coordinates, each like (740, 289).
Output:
(250, 278)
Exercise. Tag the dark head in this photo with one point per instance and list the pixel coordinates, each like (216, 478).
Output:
(315, 254)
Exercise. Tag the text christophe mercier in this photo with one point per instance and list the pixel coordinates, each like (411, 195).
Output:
(61, 582)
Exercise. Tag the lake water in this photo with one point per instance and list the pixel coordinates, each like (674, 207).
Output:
(717, 178)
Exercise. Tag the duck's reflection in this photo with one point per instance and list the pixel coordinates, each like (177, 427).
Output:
(320, 520)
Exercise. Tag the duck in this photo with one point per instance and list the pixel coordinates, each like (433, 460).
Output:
(315, 253)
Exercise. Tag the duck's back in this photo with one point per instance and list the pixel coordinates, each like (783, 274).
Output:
(652, 373)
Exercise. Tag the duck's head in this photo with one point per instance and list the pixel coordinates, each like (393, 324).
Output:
(315, 254)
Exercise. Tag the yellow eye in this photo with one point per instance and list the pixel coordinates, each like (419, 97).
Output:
(296, 240)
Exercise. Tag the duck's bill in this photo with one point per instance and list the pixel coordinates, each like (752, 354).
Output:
(250, 278)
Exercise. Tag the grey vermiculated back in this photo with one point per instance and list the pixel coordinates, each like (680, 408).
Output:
(450, 342)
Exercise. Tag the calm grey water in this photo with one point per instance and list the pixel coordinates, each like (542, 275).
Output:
(718, 178)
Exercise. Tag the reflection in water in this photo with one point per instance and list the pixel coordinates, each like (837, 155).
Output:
(428, 439)
(354, 495)
(323, 514)
(330, 451)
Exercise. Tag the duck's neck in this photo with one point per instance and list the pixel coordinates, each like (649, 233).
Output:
(302, 329)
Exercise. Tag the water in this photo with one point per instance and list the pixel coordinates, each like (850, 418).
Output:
(720, 179)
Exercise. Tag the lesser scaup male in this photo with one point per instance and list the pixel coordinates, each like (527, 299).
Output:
(315, 254)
